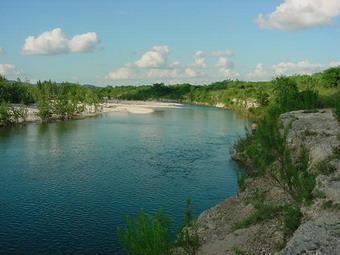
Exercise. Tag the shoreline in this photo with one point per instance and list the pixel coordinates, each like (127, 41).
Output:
(132, 107)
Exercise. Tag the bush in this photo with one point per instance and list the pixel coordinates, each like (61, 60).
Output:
(5, 114)
(291, 219)
(286, 93)
(337, 110)
(146, 235)
(187, 237)
(331, 77)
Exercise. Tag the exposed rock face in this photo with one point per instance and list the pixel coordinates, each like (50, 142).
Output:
(216, 226)
(319, 236)
(317, 131)
(319, 233)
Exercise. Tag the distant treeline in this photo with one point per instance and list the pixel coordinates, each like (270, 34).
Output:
(66, 99)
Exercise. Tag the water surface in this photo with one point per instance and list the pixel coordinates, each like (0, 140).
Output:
(66, 186)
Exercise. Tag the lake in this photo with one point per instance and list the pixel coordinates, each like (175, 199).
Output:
(66, 186)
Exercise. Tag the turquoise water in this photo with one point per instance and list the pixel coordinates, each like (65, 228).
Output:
(66, 186)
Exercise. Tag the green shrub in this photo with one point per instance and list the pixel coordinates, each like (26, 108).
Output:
(337, 110)
(187, 237)
(324, 167)
(261, 213)
(331, 77)
(238, 251)
(286, 93)
(146, 235)
(5, 114)
(291, 220)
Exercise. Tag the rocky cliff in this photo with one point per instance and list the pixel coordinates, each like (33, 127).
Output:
(240, 225)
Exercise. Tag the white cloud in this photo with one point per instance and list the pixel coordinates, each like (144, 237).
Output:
(84, 42)
(199, 59)
(334, 64)
(290, 68)
(224, 63)
(190, 72)
(123, 73)
(6, 69)
(153, 58)
(300, 14)
(225, 53)
(172, 73)
(230, 74)
(55, 42)
(259, 73)
(2, 51)
(287, 68)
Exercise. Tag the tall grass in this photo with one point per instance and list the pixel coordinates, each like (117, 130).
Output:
(146, 235)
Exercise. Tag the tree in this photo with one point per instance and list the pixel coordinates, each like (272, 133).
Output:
(5, 114)
(331, 77)
(286, 93)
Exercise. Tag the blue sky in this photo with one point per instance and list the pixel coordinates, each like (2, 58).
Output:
(135, 42)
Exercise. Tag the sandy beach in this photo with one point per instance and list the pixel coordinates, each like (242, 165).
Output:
(133, 107)
(137, 107)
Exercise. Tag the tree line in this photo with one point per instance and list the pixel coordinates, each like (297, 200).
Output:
(65, 100)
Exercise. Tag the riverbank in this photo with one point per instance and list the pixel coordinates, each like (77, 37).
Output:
(133, 107)
(259, 219)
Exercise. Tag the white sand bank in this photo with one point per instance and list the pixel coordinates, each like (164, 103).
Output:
(137, 107)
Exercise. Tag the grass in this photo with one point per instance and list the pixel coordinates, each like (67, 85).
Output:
(330, 205)
(324, 167)
(238, 251)
(319, 194)
(261, 214)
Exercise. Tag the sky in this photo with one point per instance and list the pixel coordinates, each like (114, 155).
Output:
(133, 42)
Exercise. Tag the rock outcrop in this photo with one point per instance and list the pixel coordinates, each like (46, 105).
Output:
(319, 233)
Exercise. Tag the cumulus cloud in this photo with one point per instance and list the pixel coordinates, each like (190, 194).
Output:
(230, 74)
(300, 14)
(287, 68)
(225, 65)
(259, 73)
(123, 73)
(6, 69)
(173, 73)
(55, 42)
(199, 59)
(302, 67)
(225, 53)
(84, 42)
(154, 57)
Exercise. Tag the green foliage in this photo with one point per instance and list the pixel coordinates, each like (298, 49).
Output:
(324, 167)
(10, 115)
(262, 98)
(5, 115)
(146, 235)
(291, 219)
(238, 251)
(331, 77)
(337, 110)
(267, 151)
(286, 93)
(262, 212)
(187, 237)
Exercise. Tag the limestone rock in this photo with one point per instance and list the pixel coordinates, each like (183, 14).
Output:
(319, 236)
